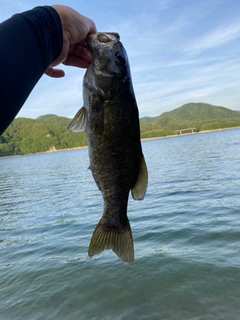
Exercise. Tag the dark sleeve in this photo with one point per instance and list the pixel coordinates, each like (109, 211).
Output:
(30, 41)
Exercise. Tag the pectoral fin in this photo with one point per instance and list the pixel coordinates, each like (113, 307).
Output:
(139, 190)
(79, 121)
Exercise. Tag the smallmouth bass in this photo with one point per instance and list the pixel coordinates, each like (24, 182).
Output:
(111, 121)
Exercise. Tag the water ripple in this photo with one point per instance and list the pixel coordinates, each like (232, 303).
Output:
(186, 235)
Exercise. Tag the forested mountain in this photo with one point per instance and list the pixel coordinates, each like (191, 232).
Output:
(46, 133)
(201, 116)
(50, 132)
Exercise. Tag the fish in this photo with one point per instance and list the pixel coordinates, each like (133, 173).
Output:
(110, 119)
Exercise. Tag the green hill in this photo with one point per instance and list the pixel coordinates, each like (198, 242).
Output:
(201, 116)
(45, 133)
(46, 117)
(49, 132)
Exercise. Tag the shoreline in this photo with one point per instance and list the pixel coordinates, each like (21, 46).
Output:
(43, 152)
(187, 134)
(143, 139)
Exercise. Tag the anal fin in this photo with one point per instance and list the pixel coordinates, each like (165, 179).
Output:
(139, 190)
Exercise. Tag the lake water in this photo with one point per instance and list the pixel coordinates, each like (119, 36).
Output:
(186, 235)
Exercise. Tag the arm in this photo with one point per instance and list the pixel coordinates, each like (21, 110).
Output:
(30, 41)
(34, 42)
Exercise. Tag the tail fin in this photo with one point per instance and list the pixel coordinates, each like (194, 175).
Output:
(119, 240)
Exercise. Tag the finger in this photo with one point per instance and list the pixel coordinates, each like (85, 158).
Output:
(92, 28)
(78, 56)
(54, 73)
(75, 61)
(81, 52)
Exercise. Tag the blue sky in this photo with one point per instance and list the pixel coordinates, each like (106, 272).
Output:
(180, 51)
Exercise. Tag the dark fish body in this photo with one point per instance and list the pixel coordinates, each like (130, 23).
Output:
(110, 118)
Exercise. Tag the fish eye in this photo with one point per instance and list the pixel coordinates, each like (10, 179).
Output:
(119, 56)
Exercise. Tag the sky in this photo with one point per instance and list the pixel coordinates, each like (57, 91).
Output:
(179, 51)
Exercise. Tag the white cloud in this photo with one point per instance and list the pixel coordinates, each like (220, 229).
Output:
(170, 46)
(216, 38)
(213, 82)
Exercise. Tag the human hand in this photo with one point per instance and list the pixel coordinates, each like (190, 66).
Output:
(74, 52)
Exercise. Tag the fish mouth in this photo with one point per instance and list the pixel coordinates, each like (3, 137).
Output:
(102, 39)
